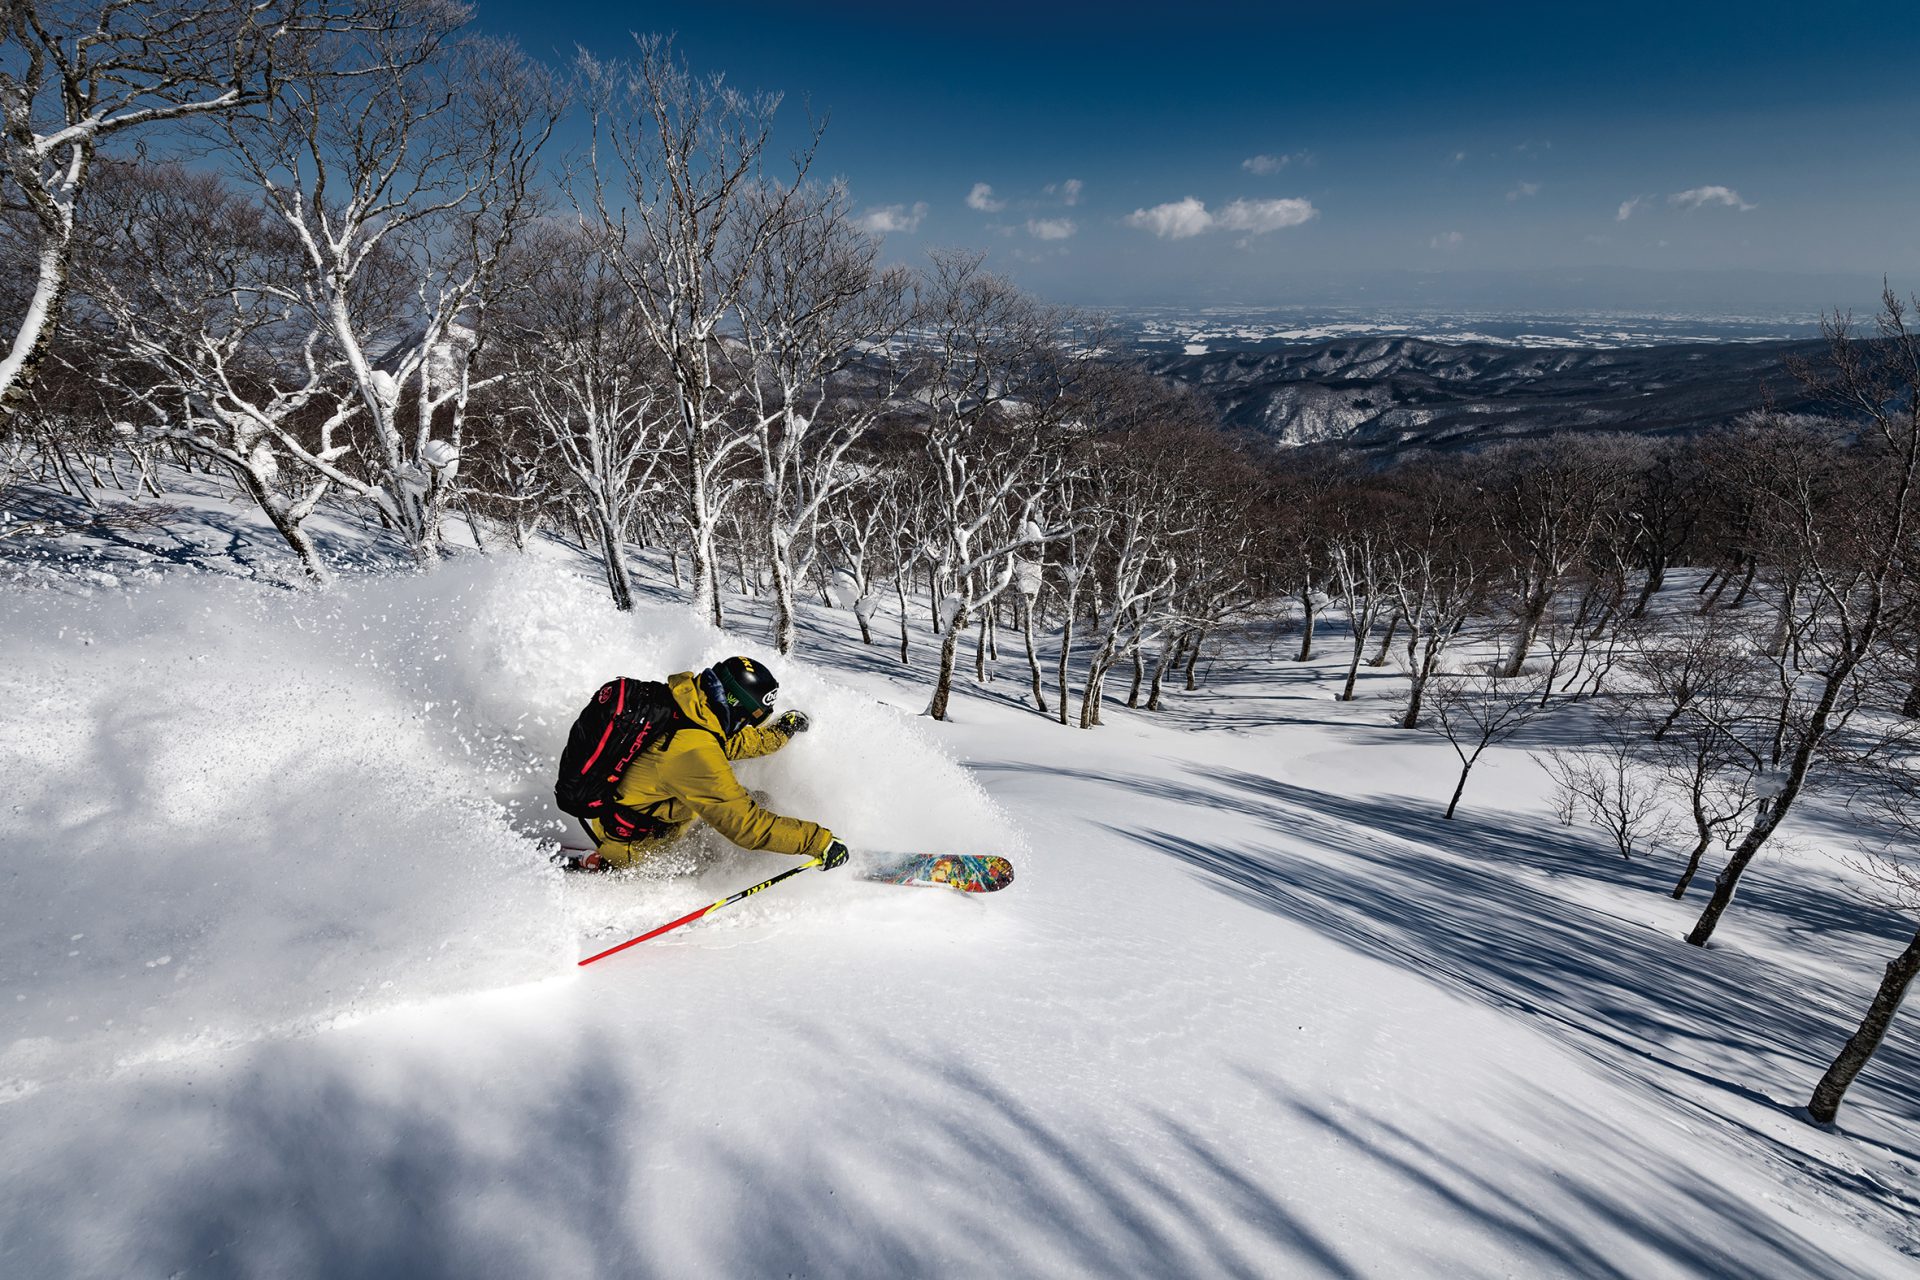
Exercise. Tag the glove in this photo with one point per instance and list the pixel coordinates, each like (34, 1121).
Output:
(793, 722)
(835, 856)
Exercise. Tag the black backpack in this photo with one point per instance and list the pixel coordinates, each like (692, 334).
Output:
(624, 718)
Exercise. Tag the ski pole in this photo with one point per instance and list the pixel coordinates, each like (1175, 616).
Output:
(691, 916)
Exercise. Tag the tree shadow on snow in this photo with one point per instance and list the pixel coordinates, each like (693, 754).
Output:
(328, 1170)
(1623, 1211)
(1631, 993)
(130, 533)
(318, 1174)
(551, 1154)
(998, 1188)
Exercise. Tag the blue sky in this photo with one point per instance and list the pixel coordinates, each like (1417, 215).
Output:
(1229, 152)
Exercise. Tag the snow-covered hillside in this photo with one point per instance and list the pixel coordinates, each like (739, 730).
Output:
(291, 987)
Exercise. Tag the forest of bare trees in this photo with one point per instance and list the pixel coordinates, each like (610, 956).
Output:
(348, 266)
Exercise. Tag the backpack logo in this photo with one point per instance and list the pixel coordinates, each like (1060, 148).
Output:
(625, 717)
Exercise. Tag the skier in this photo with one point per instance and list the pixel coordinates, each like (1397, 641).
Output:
(717, 716)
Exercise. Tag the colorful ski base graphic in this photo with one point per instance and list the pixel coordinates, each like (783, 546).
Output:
(973, 873)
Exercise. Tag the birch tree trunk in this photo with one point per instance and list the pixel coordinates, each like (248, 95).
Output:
(1066, 646)
(1169, 656)
(900, 594)
(1860, 1047)
(1387, 641)
(943, 678)
(1033, 658)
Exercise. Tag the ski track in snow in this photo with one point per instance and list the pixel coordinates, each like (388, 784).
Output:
(293, 989)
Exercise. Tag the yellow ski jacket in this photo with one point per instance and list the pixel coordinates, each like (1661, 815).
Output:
(691, 778)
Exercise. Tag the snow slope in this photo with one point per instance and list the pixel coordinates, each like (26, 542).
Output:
(1249, 1010)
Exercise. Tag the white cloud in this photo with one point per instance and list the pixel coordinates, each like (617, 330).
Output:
(1628, 207)
(981, 198)
(1447, 240)
(1261, 216)
(1051, 228)
(1263, 165)
(1699, 196)
(1458, 157)
(1190, 217)
(1173, 221)
(892, 217)
(1068, 191)
(1522, 191)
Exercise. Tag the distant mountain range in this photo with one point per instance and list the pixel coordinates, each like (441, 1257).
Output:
(1263, 329)
(1589, 289)
(1388, 395)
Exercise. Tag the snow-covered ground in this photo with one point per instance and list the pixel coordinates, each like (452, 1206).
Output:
(291, 990)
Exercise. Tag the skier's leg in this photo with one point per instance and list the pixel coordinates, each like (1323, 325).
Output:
(621, 855)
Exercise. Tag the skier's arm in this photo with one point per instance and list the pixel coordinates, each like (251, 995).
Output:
(755, 740)
(717, 796)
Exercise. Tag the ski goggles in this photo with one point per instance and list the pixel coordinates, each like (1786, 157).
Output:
(742, 708)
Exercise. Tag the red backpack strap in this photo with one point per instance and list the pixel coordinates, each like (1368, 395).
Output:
(619, 705)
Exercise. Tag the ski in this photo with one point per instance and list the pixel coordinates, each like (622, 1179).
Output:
(972, 873)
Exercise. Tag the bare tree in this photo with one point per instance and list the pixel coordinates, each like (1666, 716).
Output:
(992, 372)
(1359, 562)
(1438, 571)
(76, 75)
(1703, 716)
(677, 178)
(1579, 630)
(855, 531)
(404, 161)
(908, 494)
(580, 371)
(510, 473)
(1297, 512)
(65, 423)
(1898, 880)
(1666, 497)
(1145, 483)
(16, 460)
(1030, 577)
(1071, 557)
(1608, 783)
(1476, 709)
(1851, 523)
(1546, 500)
(226, 359)
(1219, 553)
(1136, 571)
(816, 319)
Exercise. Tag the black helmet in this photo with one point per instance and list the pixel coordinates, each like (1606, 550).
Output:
(740, 691)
